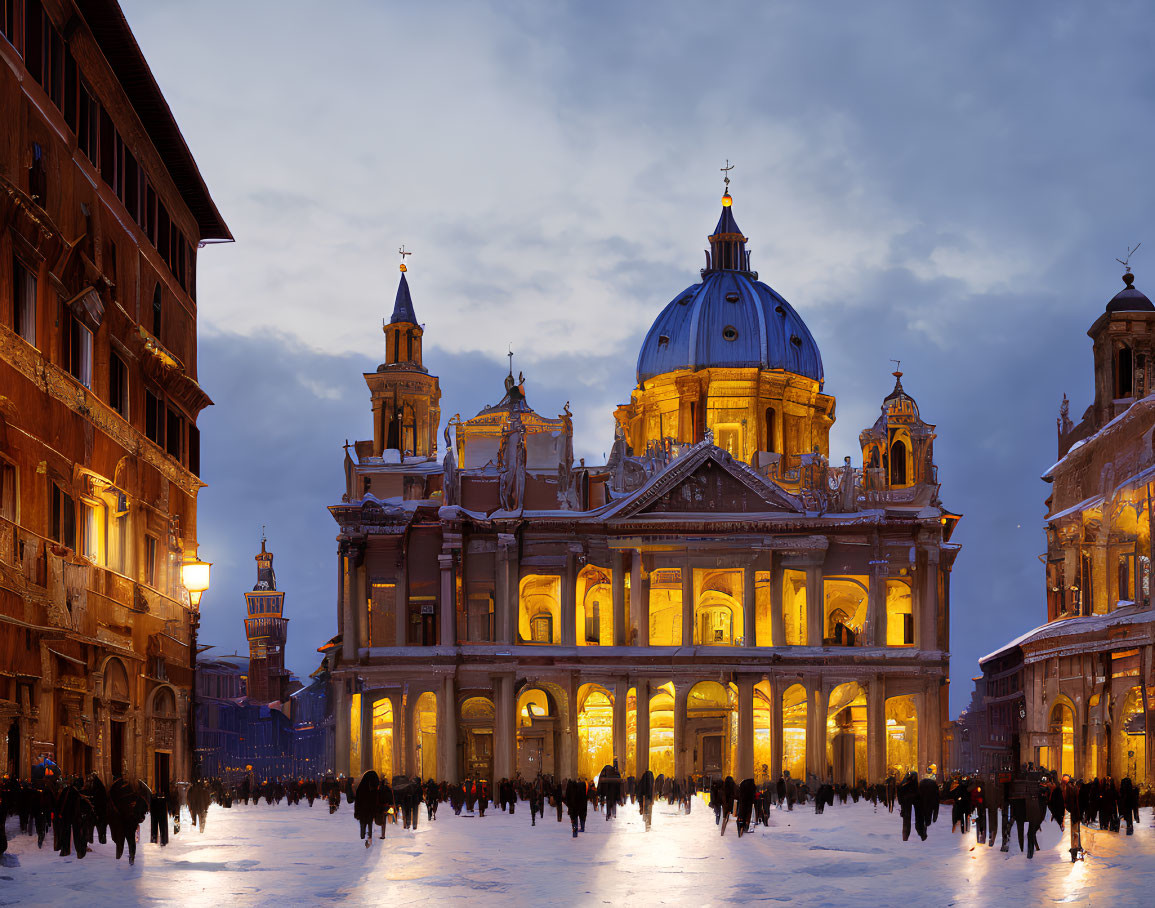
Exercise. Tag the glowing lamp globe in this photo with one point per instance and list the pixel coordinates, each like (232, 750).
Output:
(726, 200)
(195, 577)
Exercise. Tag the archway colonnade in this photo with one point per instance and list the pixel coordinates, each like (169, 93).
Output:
(497, 725)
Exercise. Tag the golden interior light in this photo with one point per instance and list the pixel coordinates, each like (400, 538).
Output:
(726, 200)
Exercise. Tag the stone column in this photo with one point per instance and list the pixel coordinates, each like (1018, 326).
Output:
(341, 727)
(348, 632)
(570, 745)
(619, 566)
(815, 625)
(681, 756)
(749, 615)
(448, 604)
(568, 605)
(402, 607)
(876, 609)
(777, 745)
(504, 728)
(875, 730)
(777, 623)
(642, 745)
(687, 604)
(447, 731)
(929, 610)
(360, 600)
(816, 762)
(640, 594)
(745, 767)
(934, 726)
(409, 739)
(367, 734)
(621, 693)
(506, 588)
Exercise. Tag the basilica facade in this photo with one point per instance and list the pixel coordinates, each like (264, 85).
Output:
(716, 599)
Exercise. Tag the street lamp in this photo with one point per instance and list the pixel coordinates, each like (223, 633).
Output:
(195, 577)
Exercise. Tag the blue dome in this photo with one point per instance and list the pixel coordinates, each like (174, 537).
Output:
(729, 319)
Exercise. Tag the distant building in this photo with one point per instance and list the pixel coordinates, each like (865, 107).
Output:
(1075, 693)
(253, 716)
(715, 598)
(102, 214)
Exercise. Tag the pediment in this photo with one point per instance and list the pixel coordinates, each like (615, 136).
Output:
(707, 481)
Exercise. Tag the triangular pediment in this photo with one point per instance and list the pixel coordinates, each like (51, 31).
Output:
(707, 480)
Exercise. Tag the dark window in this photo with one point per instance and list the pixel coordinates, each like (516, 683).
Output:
(71, 83)
(118, 385)
(107, 148)
(156, 311)
(898, 463)
(34, 39)
(150, 560)
(8, 20)
(1124, 373)
(131, 193)
(174, 434)
(194, 450)
(409, 346)
(24, 304)
(1126, 572)
(63, 517)
(770, 430)
(77, 341)
(153, 417)
(7, 490)
(1087, 587)
(38, 177)
(88, 124)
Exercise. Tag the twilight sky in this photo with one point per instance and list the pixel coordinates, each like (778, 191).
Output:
(945, 185)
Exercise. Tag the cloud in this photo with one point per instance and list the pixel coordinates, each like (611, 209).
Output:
(945, 185)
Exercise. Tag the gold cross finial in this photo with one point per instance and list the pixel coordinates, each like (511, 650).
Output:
(510, 355)
(401, 252)
(726, 170)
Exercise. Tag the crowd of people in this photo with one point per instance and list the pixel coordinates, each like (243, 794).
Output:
(80, 811)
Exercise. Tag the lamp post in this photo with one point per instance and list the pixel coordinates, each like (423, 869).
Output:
(194, 575)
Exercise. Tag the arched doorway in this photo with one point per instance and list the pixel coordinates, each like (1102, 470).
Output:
(425, 734)
(536, 725)
(1131, 737)
(794, 710)
(1062, 749)
(382, 744)
(476, 738)
(595, 724)
(844, 610)
(118, 700)
(539, 610)
(718, 610)
(164, 727)
(662, 731)
(901, 736)
(709, 711)
(846, 734)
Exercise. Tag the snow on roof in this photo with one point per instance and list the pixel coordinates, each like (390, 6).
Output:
(1093, 501)
(1125, 613)
(1133, 410)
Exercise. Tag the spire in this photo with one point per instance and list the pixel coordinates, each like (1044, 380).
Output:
(403, 307)
(727, 244)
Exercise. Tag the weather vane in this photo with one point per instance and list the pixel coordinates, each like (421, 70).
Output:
(726, 170)
(897, 367)
(510, 355)
(1126, 263)
(401, 252)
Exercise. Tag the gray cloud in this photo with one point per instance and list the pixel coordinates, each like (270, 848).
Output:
(947, 185)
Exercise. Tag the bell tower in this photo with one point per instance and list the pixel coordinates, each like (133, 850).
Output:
(406, 398)
(267, 629)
